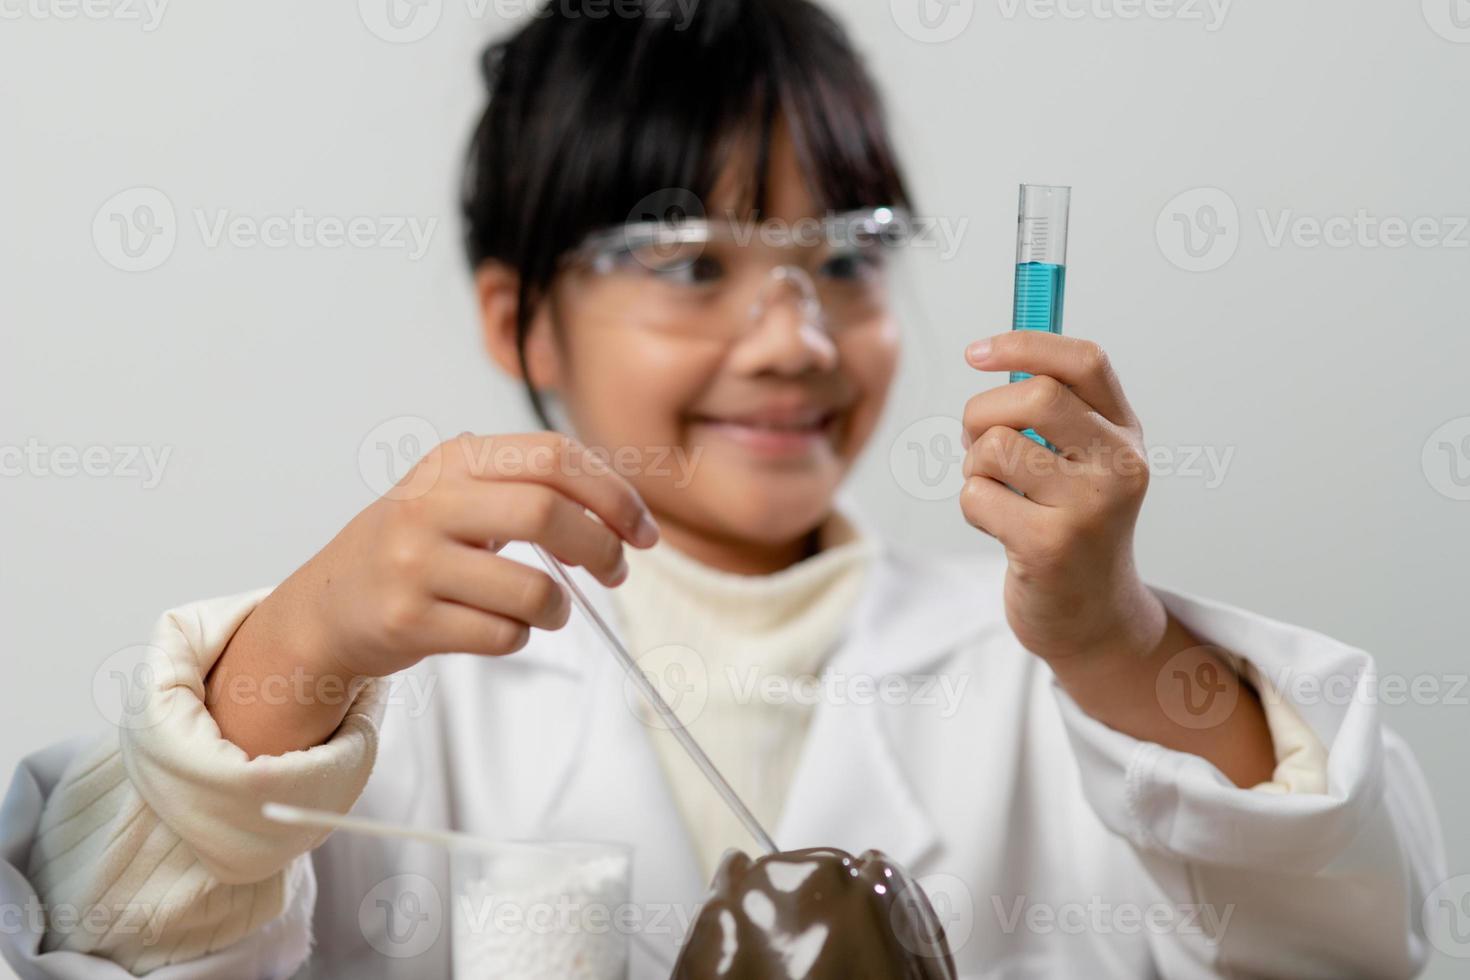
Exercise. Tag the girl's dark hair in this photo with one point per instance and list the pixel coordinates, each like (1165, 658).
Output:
(593, 107)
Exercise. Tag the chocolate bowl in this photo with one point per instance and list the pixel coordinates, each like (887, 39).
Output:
(815, 914)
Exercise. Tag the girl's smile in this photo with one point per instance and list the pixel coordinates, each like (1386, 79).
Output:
(779, 430)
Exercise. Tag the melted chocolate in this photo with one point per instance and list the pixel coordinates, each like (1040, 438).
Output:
(815, 914)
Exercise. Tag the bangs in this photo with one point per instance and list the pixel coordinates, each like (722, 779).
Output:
(594, 120)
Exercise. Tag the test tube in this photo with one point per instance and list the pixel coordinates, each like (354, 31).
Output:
(1041, 264)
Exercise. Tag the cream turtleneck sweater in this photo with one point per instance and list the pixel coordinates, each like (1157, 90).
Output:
(737, 657)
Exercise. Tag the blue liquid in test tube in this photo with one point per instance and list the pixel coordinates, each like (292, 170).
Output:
(1041, 265)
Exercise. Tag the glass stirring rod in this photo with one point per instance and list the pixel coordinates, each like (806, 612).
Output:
(656, 701)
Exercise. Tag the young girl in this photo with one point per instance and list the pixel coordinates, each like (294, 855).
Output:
(1093, 777)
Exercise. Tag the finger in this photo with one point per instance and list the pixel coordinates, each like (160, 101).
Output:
(1051, 408)
(477, 512)
(474, 577)
(1078, 363)
(998, 510)
(452, 628)
(556, 461)
(1008, 458)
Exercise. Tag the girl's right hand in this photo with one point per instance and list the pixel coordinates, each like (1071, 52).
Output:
(417, 573)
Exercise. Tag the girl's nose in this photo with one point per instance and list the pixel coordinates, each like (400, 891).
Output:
(787, 333)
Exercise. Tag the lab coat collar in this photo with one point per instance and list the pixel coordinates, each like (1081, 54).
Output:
(850, 789)
(906, 620)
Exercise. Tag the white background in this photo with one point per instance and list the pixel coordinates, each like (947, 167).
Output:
(1326, 371)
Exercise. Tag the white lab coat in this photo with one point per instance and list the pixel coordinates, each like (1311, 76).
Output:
(1053, 846)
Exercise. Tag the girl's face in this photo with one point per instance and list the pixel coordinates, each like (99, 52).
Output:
(738, 427)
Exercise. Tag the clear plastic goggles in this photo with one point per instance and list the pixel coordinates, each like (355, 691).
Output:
(721, 278)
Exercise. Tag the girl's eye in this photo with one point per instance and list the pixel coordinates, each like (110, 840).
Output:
(682, 265)
(698, 271)
(855, 265)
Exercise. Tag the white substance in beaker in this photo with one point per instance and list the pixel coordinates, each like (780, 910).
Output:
(543, 923)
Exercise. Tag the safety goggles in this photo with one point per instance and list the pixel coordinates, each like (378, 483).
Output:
(721, 278)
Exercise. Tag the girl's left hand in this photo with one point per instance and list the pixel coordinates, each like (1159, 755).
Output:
(1066, 518)
(1072, 594)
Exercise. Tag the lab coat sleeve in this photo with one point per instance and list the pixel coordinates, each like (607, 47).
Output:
(1257, 883)
(144, 851)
